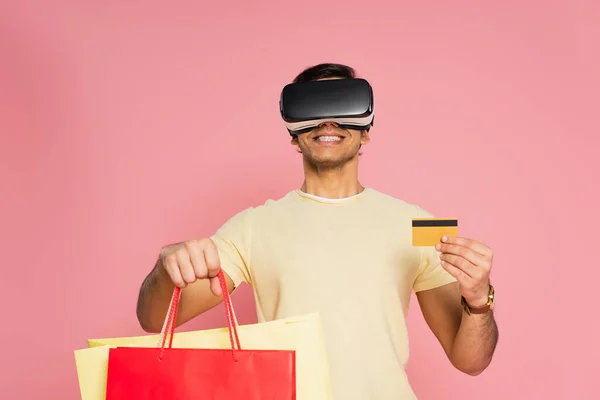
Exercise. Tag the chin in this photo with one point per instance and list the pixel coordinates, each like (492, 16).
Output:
(328, 162)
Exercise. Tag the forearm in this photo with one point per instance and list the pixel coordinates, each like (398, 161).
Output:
(154, 298)
(475, 343)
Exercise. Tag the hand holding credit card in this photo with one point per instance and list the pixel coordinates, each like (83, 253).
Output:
(468, 261)
(429, 231)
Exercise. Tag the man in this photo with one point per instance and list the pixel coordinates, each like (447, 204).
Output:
(343, 250)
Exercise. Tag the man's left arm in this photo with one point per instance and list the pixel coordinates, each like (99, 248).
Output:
(468, 339)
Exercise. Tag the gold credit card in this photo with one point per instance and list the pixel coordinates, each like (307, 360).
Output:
(429, 231)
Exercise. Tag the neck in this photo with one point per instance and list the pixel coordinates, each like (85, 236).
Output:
(332, 183)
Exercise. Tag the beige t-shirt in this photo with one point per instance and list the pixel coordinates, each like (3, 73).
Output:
(352, 261)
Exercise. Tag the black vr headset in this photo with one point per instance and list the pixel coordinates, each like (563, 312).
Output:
(347, 102)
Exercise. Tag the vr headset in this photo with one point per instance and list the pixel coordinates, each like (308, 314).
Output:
(347, 102)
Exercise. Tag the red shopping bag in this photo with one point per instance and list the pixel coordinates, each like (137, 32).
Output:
(166, 373)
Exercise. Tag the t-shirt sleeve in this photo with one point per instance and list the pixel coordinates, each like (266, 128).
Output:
(233, 243)
(430, 274)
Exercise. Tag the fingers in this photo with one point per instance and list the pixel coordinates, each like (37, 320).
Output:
(461, 276)
(215, 286)
(171, 265)
(185, 266)
(461, 251)
(211, 258)
(461, 264)
(192, 260)
(466, 255)
(470, 263)
(213, 266)
(472, 257)
(197, 259)
(471, 244)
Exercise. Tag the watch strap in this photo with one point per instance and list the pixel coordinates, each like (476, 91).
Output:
(482, 309)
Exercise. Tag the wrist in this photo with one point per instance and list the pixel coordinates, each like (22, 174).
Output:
(477, 302)
(479, 305)
(480, 299)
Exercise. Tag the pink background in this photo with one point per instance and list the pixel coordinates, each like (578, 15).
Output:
(125, 127)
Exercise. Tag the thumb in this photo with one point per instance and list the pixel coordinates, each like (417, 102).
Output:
(215, 286)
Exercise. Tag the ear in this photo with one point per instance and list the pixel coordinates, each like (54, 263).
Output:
(294, 142)
(365, 137)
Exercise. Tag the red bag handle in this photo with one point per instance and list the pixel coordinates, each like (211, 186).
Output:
(169, 325)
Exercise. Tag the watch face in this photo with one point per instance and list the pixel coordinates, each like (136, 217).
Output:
(491, 296)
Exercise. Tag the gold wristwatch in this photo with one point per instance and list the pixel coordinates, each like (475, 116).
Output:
(483, 309)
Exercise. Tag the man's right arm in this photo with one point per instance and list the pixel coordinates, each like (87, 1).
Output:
(193, 266)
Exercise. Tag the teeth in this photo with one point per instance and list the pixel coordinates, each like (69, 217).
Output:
(329, 138)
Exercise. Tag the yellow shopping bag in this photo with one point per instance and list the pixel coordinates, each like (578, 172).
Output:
(302, 334)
